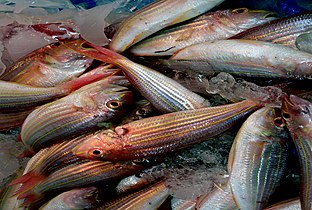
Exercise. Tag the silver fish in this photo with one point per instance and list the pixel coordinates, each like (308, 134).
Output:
(258, 158)
(249, 58)
(208, 27)
(154, 17)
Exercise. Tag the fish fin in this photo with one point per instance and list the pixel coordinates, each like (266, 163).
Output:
(96, 52)
(28, 199)
(27, 181)
(80, 82)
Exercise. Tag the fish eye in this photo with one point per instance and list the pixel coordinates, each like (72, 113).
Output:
(114, 104)
(306, 110)
(141, 112)
(286, 116)
(96, 152)
(240, 10)
(279, 122)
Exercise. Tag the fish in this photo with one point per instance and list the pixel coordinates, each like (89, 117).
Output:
(81, 174)
(13, 120)
(292, 204)
(180, 204)
(8, 199)
(143, 179)
(303, 42)
(165, 94)
(148, 198)
(77, 113)
(219, 198)
(283, 31)
(50, 160)
(16, 97)
(75, 199)
(143, 109)
(48, 66)
(258, 158)
(249, 58)
(211, 26)
(163, 134)
(154, 17)
(297, 113)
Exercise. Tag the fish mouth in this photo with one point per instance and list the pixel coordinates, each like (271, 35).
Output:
(293, 105)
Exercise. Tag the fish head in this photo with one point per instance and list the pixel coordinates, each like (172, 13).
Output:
(113, 100)
(297, 111)
(81, 198)
(143, 109)
(247, 18)
(271, 121)
(98, 146)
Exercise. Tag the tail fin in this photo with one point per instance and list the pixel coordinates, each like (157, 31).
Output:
(95, 52)
(82, 81)
(27, 180)
(28, 198)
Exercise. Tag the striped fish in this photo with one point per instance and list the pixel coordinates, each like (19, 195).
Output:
(164, 93)
(160, 135)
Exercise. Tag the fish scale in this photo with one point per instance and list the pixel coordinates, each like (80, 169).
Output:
(258, 162)
(163, 134)
(282, 31)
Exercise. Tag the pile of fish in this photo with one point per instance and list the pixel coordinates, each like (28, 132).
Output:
(98, 124)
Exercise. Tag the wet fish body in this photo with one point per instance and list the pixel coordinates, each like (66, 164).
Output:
(304, 42)
(160, 135)
(258, 158)
(249, 58)
(82, 174)
(180, 204)
(12, 120)
(281, 31)
(19, 97)
(164, 93)
(76, 199)
(137, 181)
(219, 198)
(148, 198)
(154, 17)
(78, 113)
(211, 26)
(48, 66)
(298, 115)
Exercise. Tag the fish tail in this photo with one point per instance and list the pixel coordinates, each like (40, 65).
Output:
(96, 52)
(26, 191)
(80, 82)
(29, 179)
(27, 199)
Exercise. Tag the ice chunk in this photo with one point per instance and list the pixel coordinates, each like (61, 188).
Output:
(235, 90)
(92, 23)
(195, 171)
